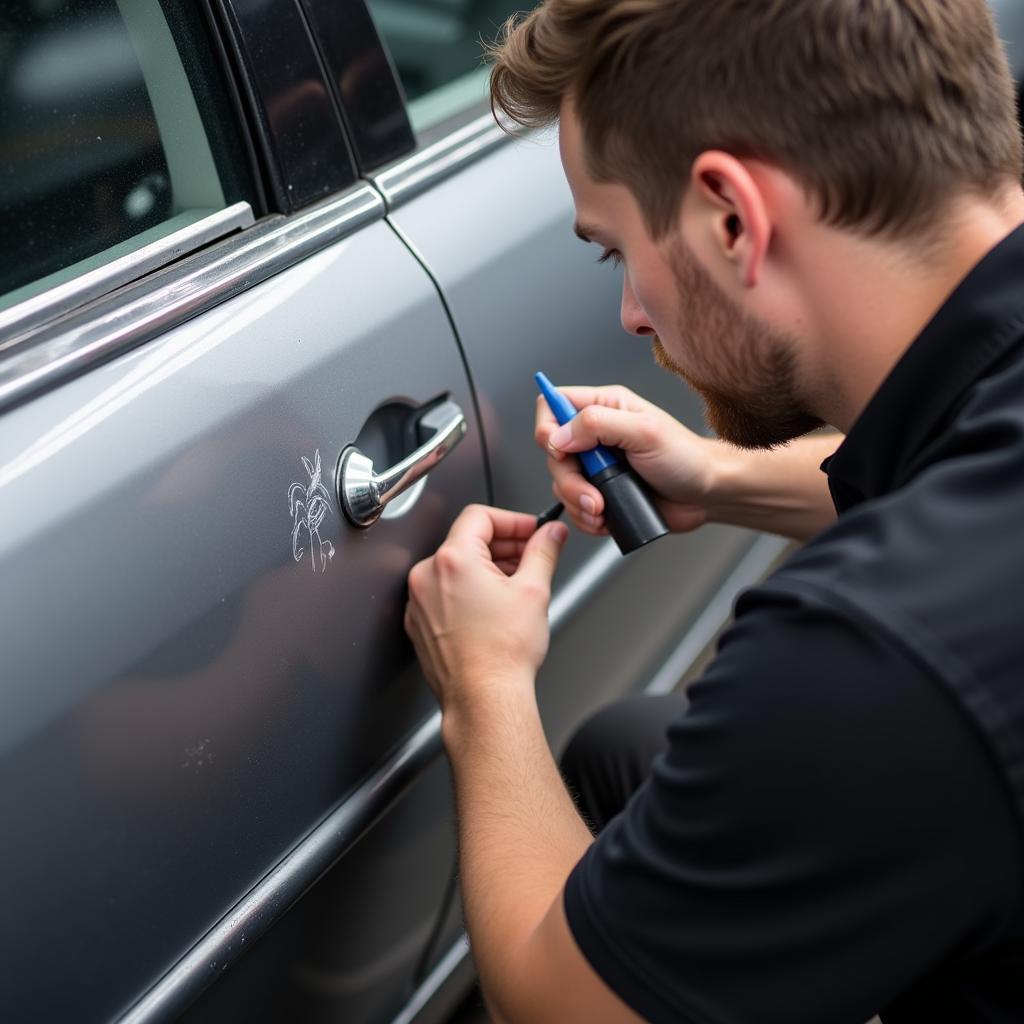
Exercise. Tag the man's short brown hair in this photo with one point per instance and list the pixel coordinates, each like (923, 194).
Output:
(882, 109)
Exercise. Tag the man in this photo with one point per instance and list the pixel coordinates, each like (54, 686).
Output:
(816, 204)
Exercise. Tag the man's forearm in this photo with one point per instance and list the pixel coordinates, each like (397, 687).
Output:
(520, 837)
(781, 491)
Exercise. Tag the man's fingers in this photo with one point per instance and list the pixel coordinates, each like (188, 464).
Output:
(597, 424)
(612, 397)
(507, 547)
(571, 488)
(412, 627)
(540, 556)
(483, 523)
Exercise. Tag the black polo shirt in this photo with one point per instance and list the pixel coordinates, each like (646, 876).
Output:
(836, 828)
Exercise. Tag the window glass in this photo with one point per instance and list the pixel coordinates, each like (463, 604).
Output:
(102, 144)
(437, 49)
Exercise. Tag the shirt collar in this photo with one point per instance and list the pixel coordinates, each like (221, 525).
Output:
(978, 323)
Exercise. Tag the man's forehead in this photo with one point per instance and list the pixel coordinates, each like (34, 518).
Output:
(599, 204)
(570, 142)
(584, 190)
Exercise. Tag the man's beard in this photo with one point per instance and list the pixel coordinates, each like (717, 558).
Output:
(744, 370)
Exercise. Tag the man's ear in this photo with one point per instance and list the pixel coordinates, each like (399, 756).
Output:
(735, 207)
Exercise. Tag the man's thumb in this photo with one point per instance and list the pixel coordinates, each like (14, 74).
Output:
(540, 556)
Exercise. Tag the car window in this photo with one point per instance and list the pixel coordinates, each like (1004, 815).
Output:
(436, 47)
(103, 147)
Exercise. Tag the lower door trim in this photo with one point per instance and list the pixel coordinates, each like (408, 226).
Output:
(278, 891)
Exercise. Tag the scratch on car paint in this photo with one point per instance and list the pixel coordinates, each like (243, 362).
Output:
(308, 505)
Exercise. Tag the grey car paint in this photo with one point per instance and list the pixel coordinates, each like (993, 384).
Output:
(184, 698)
(349, 949)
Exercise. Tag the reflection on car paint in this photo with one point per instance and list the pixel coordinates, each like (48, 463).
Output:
(308, 505)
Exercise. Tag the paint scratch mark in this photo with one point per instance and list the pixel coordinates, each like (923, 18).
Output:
(308, 505)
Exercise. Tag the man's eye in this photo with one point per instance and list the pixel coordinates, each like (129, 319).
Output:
(611, 254)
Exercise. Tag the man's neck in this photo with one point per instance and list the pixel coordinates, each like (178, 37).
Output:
(875, 298)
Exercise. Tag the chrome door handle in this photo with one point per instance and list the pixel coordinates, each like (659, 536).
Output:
(363, 494)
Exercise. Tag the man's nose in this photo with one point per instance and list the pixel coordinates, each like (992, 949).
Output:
(633, 316)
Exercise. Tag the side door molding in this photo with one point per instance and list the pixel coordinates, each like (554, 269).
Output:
(279, 890)
(54, 303)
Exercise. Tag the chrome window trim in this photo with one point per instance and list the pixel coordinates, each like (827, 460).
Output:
(413, 175)
(59, 349)
(54, 302)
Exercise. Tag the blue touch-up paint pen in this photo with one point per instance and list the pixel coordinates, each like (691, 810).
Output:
(629, 512)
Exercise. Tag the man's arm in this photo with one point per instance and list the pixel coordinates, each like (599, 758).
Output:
(697, 479)
(519, 838)
(782, 491)
(481, 633)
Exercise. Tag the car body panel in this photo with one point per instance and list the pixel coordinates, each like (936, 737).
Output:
(350, 948)
(186, 694)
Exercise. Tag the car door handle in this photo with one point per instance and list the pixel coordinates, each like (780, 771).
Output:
(364, 494)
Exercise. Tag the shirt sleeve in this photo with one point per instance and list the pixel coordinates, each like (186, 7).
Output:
(824, 828)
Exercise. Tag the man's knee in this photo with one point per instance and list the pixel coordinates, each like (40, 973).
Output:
(610, 754)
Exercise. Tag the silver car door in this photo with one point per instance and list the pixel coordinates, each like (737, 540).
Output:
(208, 696)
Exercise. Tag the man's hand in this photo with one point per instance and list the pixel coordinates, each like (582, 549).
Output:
(695, 479)
(477, 611)
(675, 462)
